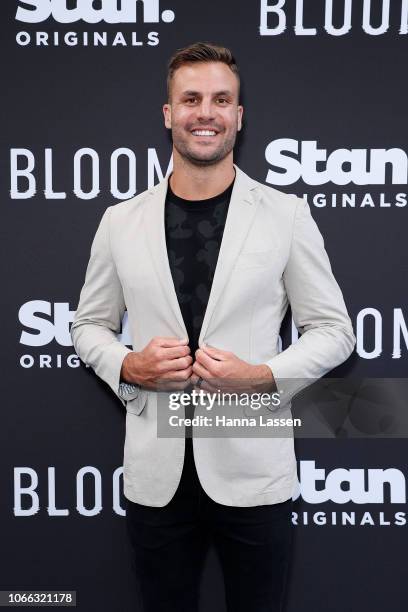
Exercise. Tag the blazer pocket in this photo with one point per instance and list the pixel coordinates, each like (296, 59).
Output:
(136, 405)
(258, 259)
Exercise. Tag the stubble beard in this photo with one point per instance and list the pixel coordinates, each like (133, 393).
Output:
(181, 146)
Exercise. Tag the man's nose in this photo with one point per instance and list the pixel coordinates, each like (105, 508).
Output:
(205, 110)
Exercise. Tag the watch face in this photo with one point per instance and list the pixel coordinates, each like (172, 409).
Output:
(126, 389)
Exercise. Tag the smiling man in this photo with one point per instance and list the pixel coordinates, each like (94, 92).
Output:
(206, 263)
(204, 138)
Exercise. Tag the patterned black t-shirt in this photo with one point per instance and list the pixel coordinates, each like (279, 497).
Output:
(194, 230)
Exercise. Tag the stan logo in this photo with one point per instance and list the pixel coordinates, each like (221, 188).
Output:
(84, 10)
(357, 485)
(315, 166)
(47, 321)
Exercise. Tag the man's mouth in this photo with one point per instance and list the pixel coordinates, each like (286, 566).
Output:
(209, 133)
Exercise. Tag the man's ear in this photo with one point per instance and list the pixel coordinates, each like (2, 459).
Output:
(240, 115)
(167, 115)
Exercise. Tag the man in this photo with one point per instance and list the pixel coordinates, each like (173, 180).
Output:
(206, 263)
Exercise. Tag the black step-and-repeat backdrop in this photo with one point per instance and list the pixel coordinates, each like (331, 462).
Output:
(324, 92)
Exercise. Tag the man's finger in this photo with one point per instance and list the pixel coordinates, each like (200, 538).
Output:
(174, 376)
(181, 363)
(201, 371)
(169, 341)
(206, 360)
(182, 374)
(194, 379)
(215, 353)
(177, 351)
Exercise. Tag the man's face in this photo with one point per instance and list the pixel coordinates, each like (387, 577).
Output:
(204, 97)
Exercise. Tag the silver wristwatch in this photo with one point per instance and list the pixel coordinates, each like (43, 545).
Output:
(128, 391)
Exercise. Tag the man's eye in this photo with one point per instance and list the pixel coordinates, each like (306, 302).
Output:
(222, 100)
(190, 99)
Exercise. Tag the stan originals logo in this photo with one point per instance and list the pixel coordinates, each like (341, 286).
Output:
(99, 12)
(45, 322)
(305, 160)
(63, 11)
(48, 324)
(357, 485)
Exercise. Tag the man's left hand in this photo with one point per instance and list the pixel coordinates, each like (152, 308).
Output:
(223, 370)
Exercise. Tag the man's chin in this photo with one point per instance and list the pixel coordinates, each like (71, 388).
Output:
(203, 159)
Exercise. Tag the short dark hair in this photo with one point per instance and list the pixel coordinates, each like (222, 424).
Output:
(200, 52)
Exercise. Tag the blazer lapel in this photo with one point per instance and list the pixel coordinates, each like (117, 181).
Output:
(241, 212)
(155, 230)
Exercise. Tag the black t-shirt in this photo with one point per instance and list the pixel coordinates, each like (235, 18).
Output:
(194, 230)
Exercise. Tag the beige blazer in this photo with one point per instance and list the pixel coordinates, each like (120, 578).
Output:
(271, 254)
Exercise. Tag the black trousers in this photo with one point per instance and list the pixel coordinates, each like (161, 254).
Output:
(170, 545)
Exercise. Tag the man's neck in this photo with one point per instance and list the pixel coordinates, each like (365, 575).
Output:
(201, 182)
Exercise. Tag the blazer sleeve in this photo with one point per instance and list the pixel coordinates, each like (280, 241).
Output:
(100, 311)
(318, 311)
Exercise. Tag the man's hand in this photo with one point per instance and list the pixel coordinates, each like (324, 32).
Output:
(165, 363)
(225, 371)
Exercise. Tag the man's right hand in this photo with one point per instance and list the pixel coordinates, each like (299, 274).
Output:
(165, 363)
